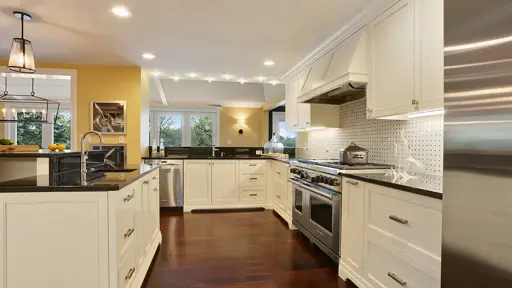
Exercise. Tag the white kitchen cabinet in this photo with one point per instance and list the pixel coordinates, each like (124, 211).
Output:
(352, 222)
(197, 182)
(405, 59)
(154, 204)
(291, 112)
(87, 239)
(318, 116)
(224, 182)
(282, 191)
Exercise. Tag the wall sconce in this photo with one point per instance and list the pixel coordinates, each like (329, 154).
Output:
(241, 123)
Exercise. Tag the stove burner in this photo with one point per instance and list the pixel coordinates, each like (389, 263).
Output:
(345, 166)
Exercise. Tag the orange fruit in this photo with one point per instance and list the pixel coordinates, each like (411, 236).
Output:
(52, 147)
(61, 147)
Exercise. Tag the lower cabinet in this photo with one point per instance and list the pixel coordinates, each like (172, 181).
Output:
(211, 184)
(282, 191)
(93, 239)
(390, 238)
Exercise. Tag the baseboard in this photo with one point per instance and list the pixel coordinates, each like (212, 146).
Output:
(144, 267)
(345, 273)
(237, 206)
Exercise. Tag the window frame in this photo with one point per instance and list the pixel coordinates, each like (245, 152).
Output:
(47, 129)
(280, 117)
(186, 128)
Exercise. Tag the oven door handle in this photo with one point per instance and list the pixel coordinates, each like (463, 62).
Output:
(318, 192)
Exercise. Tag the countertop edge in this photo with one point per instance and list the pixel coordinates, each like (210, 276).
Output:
(402, 187)
(226, 158)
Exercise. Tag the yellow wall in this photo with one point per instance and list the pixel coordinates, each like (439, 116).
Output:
(108, 83)
(252, 136)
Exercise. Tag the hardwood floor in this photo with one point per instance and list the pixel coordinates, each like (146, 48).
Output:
(238, 250)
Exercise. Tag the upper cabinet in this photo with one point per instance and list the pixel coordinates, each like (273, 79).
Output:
(405, 59)
(292, 121)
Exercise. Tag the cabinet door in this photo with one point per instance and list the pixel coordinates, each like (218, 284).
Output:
(146, 217)
(352, 220)
(304, 114)
(141, 241)
(154, 204)
(225, 182)
(197, 183)
(391, 61)
(292, 90)
(431, 89)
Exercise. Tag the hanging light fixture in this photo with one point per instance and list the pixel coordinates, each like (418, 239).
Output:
(21, 58)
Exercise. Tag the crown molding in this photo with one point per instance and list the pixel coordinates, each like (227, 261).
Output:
(368, 13)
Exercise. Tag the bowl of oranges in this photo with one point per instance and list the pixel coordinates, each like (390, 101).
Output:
(57, 147)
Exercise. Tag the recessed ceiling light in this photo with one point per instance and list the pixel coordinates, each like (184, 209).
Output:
(209, 79)
(274, 82)
(192, 75)
(156, 73)
(149, 56)
(269, 63)
(261, 78)
(121, 11)
(242, 81)
(228, 76)
(175, 78)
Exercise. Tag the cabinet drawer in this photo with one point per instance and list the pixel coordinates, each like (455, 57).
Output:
(281, 172)
(258, 194)
(254, 166)
(406, 221)
(385, 269)
(128, 197)
(127, 270)
(126, 230)
(251, 179)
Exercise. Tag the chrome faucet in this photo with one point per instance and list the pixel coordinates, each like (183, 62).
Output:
(83, 156)
(213, 150)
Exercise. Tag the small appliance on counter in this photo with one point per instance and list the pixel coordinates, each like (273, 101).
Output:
(354, 154)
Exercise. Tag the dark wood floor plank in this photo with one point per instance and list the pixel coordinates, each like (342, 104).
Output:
(237, 250)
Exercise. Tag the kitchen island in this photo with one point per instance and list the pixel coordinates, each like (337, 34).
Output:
(57, 233)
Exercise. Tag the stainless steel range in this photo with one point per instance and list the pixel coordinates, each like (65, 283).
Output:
(317, 200)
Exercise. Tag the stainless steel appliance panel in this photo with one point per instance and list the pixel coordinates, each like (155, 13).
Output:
(477, 199)
(171, 182)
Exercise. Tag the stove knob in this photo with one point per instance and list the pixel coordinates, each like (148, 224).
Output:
(302, 175)
(332, 182)
(336, 182)
(314, 179)
(293, 170)
(326, 180)
(320, 179)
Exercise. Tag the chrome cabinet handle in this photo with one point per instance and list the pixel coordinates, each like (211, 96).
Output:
(129, 275)
(253, 178)
(155, 177)
(253, 194)
(352, 182)
(146, 182)
(129, 232)
(398, 219)
(278, 196)
(278, 173)
(252, 165)
(397, 279)
(156, 189)
(128, 198)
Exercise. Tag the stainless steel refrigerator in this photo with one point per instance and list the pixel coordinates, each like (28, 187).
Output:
(477, 199)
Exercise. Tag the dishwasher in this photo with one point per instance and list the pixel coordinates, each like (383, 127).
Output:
(171, 183)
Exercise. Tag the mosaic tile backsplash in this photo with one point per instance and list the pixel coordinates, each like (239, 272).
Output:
(381, 137)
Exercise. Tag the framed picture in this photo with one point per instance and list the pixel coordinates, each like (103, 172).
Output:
(108, 117)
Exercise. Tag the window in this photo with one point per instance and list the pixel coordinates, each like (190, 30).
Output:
(31, 133)
(188, 128)
(169, 127)
(279, 128)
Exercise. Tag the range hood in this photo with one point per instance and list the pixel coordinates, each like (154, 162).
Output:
(338, 77)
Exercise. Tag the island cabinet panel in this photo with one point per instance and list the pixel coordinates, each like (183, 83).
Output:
(52, 240)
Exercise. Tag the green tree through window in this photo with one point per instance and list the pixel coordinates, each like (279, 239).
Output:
(29, 133)
(62, 130)
(170, 130)
(202, 127)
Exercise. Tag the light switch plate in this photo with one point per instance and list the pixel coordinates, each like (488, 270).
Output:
(229, 142)
(121, 139)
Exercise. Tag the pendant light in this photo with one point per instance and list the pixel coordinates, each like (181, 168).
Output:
(21, 58)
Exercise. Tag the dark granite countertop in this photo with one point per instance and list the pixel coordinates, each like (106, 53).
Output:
(209, 157)
(70, 182)
(421, 184)
(44, 153)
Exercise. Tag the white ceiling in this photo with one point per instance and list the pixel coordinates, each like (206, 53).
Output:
(210, 37)
(45, 86)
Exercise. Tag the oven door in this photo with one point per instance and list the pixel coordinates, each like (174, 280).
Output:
(324, 218)
(299, 204)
